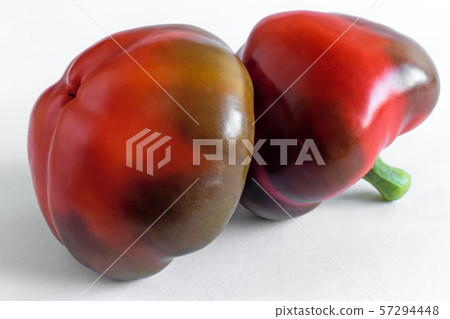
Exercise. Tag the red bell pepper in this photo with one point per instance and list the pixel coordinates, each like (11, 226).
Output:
(359, 90)
(95, 200)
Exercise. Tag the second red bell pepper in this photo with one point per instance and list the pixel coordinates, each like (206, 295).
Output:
(351, 92)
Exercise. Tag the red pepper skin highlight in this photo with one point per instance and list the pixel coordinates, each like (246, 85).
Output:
(96, 205)
(372, 85)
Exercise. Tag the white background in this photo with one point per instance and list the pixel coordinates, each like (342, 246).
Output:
(395, 251)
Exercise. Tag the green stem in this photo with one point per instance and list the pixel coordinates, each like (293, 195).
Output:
(391, 182)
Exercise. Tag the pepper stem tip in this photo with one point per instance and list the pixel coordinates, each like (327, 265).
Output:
(391, 182)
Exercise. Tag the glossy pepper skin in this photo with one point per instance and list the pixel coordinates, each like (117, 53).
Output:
(372, 85)
(96, 205)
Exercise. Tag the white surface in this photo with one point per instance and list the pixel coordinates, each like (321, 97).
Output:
(396, 251)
